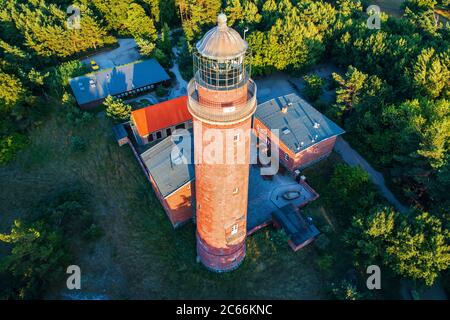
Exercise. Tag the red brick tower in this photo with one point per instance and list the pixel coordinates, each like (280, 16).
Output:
(222, 100)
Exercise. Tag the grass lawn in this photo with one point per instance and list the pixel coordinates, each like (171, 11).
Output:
(140, 256)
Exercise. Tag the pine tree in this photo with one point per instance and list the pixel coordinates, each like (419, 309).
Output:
(117, 109)
(139, 24)
(348, 94)
(431, 74)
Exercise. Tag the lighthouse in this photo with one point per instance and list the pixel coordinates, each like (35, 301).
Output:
(222, 100)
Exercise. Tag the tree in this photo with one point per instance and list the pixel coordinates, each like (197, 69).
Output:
(117, 109)
(420, 249)
(10, 145)
(415, 246)
(431, 74)
(368, 235)
(291, 43)
(61, 74)
(165, 42)
(313, 86)
(350, 191)
(345, 290)
(155, 10)
(146, 47)
(250, 14)
(12, 92)
(435, 133)
(43, 26)
(234, 11)
(168, 12)
(196, 13)
(349, 90)
(115, 13)
(139, 24)
(36, 260)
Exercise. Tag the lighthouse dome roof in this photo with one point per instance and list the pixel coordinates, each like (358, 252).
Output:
(222, 42)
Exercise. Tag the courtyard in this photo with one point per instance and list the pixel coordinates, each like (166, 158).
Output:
(266, 196)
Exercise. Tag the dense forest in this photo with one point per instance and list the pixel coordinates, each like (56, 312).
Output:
(393, 98)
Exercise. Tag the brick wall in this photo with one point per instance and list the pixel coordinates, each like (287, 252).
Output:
(302, 159)
(179, 204)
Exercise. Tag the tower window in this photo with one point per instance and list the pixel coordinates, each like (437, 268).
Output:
(236, 137)
(235, 190)
(234, 229)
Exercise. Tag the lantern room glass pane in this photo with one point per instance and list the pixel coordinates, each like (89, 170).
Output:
(223, 74)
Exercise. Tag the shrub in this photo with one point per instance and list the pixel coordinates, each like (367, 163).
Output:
(40, 246)
(37, 259)
(78, 144)
(162, 58)
(325, 262)
(161, 91)
(94, 232)
(60, 75)
(117, 109)
(345, 291)
(10, 145)
(313, 86)
(322, 242)
(415, 245)
(279, 237)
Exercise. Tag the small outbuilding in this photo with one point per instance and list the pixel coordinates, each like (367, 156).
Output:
(159, 121)
(91, 89)
(120, 134)
(305, 135)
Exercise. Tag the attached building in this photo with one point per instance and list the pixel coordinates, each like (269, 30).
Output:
(123, 81)
(305, 135)
(170, 169)
(158, 121)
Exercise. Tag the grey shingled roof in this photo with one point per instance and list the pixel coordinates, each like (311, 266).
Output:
(295, 225)
(301, 122)
(166, 167)
(117, 80)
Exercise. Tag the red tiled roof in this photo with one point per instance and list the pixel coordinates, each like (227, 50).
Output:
(161, 115)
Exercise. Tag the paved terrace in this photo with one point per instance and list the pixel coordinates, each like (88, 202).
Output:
(265, 197)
